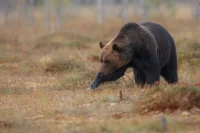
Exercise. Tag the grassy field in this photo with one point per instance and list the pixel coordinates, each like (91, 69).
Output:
(44, 77)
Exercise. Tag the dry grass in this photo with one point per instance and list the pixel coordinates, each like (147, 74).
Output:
(170, 99)
(44, 76)
(60, 40)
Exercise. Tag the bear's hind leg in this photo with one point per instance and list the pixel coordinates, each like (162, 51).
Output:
(169, 74)
(169, 71)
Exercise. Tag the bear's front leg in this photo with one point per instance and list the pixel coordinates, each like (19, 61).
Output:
(139, 77)
(100, 78)
(149, 67)
(152, 72)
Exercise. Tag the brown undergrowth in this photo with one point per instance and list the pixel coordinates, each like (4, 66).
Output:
(170, 99)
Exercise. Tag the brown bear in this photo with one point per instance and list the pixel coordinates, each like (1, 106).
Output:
(147, 47)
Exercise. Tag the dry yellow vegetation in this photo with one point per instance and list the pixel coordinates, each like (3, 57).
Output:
(44, 76)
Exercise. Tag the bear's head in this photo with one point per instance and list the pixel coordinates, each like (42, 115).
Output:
(113, 56)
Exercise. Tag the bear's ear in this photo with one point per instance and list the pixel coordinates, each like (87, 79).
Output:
(101, 44)
(116, 48)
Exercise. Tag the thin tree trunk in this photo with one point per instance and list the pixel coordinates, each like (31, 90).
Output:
(142, 10)
(20, 7)
(31, 15)
(135, 8)
(125, 10)
(47, 15)
(100, 11)
(196, 10)
(6, 14)
(58, 15)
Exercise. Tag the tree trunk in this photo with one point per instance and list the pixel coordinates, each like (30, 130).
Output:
(31, 15)
(125, 10)
(100, 11)
(135, 8)
(58, 11)
(144, 10)
(47, 15)
(6, 13)
(196, 10)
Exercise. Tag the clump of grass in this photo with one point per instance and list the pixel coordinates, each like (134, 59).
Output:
(8, 59)
(151, 126)
(7, 38)
(57, 65)
(59, 40)
(195, 45)
(171, 98)
(125, 126)
(14, 90)
(192, 58)
(111, 99)
(80, 80)
(187, 44)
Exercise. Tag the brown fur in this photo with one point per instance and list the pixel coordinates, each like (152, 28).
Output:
(148, 48)
(113, 57)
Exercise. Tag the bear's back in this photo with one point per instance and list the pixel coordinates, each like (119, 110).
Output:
(163, 39)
